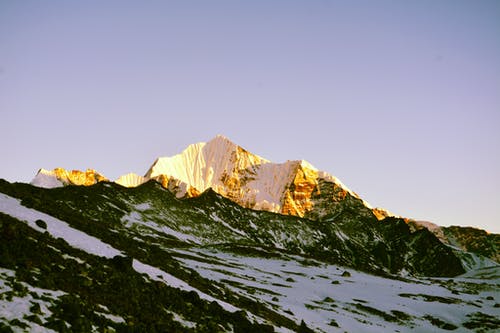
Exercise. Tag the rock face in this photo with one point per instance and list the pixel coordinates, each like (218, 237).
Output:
(474, 240)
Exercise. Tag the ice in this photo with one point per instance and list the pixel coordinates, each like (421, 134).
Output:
(208, 165)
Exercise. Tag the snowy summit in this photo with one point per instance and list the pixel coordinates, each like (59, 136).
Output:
(294, 187)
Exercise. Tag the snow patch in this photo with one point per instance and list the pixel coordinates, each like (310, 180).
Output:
(143, 206)
(169, 231)
(135, 218)
(112, 317)
(18, 307)
(56, 228)
(157, 274)
(184, 322)
(216, 218)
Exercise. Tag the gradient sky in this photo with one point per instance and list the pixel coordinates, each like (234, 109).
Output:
(398, 99)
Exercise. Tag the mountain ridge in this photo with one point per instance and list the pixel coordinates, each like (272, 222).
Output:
(248, 179)
(294, 187)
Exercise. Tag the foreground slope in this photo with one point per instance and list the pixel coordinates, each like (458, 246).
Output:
(206, 265)
(345, 238)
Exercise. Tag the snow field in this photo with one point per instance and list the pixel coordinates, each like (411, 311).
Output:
(320, 294)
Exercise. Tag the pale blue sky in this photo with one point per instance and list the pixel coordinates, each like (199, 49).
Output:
(398, 99)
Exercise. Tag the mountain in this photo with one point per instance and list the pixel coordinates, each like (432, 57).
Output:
(216, 239)
(362, 242)
(291, 188)
(110, 258)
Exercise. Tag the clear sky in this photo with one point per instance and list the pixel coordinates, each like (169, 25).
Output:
(398, 99)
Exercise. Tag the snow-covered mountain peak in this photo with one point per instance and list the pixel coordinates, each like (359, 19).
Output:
(202, 165)
(220, 139)
(294, 187)
(131, 180)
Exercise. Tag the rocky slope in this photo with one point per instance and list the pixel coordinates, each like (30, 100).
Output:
(291, 188)
(349, 238)
(206, 264)
(464, 238)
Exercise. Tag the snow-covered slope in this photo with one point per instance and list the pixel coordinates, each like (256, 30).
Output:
(331, 299)
(62, 257)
